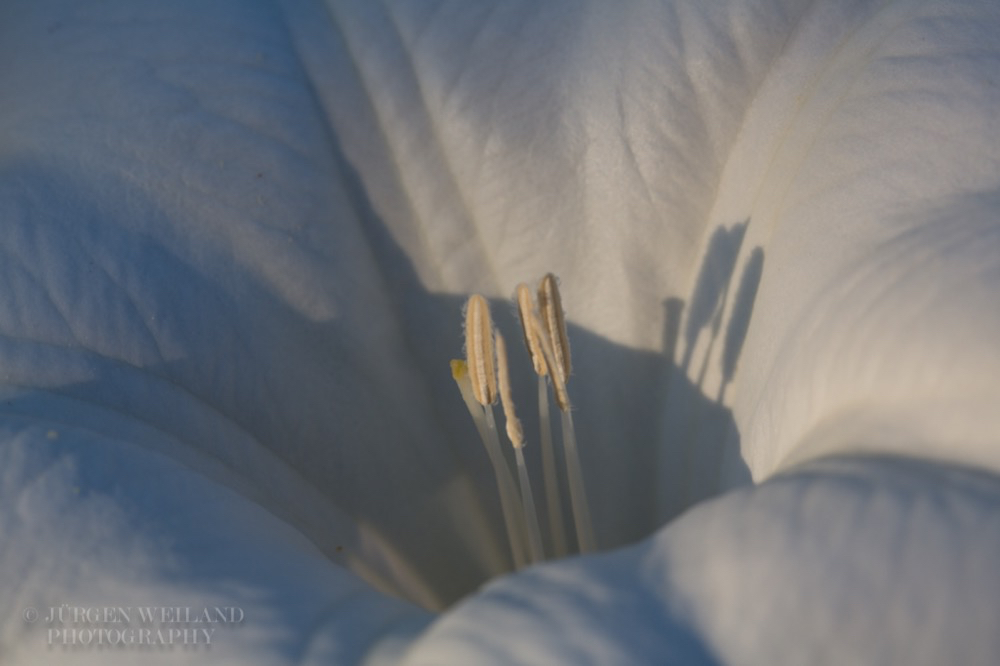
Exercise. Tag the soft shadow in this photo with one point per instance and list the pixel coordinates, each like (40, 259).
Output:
(739, 321)
(700, 443)
(673, 310)
(651, 439)
(708, 300)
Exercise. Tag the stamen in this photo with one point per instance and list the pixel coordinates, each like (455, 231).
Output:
(479, 350)
(516, 436)
(513, 519)
(486, 426)
(550, 307)
(553, 502)
(556, 347)
(547, 342)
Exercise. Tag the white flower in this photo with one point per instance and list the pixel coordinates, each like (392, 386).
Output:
(236, 240)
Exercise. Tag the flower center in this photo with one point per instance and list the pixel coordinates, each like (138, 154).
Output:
(483, 376)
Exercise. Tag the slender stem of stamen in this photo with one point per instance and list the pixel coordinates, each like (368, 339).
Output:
(508, 491)
(549, 473)
(577, 491)
(528, 503)
(483, 418)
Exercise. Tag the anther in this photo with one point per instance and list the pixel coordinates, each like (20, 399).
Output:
(479, 350)
(550, 308)
(514, 431)
(558, 378)
(526, 310)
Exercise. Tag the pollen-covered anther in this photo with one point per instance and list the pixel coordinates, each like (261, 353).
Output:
(558, 378)
(514, 431)
(550, 308)
(525, 311)
(479, 350)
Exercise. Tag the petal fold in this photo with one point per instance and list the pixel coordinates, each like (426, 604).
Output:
(845, 560)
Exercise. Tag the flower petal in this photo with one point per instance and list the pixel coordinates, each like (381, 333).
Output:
(846, 560)
(179, 245)
(870, 164)
(93, 523)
